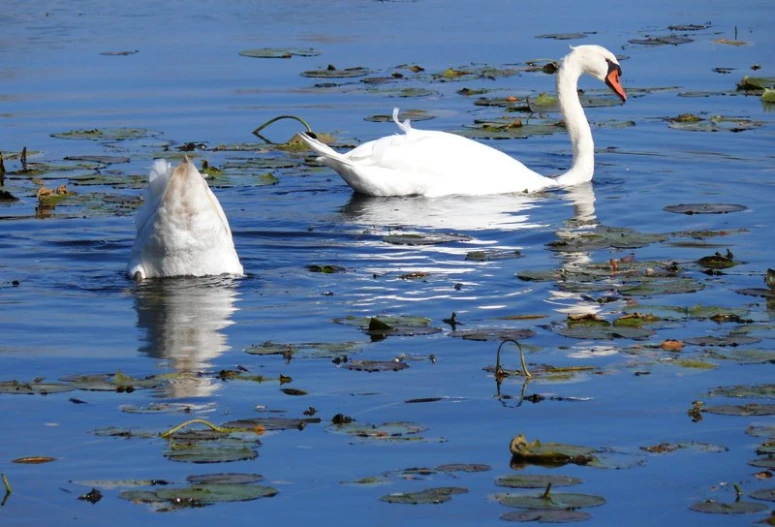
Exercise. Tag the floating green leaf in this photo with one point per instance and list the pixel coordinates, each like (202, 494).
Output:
(737, 507)
(223, 478)
(375, 365)
(551, 454)
(391, 431)
(218, 451)
(383, 326)
(33, 387)
(403, 115)
(168, 498)
(118, 381)
(279, 53)
(704, 208)
(535, 481)
(756, 83)
(546, 516)
(493, 334)
(747, 410)
(762, 391)
(563, 36)
(432, 496)
(425, 239)
(669, 448)
(107, 134)
(555, 501)
(668, 40)
(272, 423)
(728, 340)
(764, 494)
(493, 254)
(331, 72)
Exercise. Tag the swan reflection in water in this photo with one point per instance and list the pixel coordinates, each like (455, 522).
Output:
(183, 319)
(507, 213)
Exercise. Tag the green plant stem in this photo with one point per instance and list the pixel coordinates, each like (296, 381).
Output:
(257, 131)
(499, 370)
(193, 421)
(7, 484)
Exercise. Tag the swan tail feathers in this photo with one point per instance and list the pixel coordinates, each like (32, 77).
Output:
(323, 150)
(405, 127)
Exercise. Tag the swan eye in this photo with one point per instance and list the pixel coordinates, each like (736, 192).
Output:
(612, 66)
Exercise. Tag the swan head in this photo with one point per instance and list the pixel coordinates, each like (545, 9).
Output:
(601, 64)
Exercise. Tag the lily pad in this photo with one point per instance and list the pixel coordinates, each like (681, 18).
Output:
(550, 454)
(656, 285)
(563, 36)
(747, 410)
(218, 451)
(728, 340)
(555, 501)
(596, 332)
(332, 72)
(33, 387)
(737, 507)
(279, 53)
(432, 496)
(493, 254)
(464, 467)
(704, 208)
(113, 382)
(669, 448)
(383, 326)
(767, 462)
(272, 423)
(376, 365)
(169, 498)
(606, 237)
(403, 115)
(668, 40)
(327, 350)
(535, 481)
(224, 479)
(493, 334)
(756, 83)
(107, 134)
(103, 160)
(425, 239)
(762, 391)
(546, 516)
(391, 431)
(764, 494)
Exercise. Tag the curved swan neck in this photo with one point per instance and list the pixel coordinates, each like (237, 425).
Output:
(576, 122)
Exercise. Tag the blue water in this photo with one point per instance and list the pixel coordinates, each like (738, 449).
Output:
(66, 308)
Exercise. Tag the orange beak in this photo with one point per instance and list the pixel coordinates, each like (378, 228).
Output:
(612, 80)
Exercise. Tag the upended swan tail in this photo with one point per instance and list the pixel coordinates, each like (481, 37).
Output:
(405, 127)
(326, 153)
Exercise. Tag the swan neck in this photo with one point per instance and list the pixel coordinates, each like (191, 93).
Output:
(576, 123)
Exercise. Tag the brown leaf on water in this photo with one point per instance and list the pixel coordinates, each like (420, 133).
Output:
(672, 345)
(34, 460)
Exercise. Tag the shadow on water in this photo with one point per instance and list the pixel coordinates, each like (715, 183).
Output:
(183, 319)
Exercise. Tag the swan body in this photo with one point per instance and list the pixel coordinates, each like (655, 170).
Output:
(431, 163)
(181, 228)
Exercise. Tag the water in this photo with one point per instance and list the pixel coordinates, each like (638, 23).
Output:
(67, 308)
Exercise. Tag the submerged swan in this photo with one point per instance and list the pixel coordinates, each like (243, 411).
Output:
(431, 163)
(181, 228)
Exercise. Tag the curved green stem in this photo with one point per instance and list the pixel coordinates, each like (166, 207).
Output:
(257, 131)
(193, 421)
(499, 370)
(7, 484)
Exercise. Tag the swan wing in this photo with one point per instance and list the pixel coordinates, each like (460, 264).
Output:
(433, 163)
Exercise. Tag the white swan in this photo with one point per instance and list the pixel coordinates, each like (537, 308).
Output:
(181, 227)
(431, 163)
